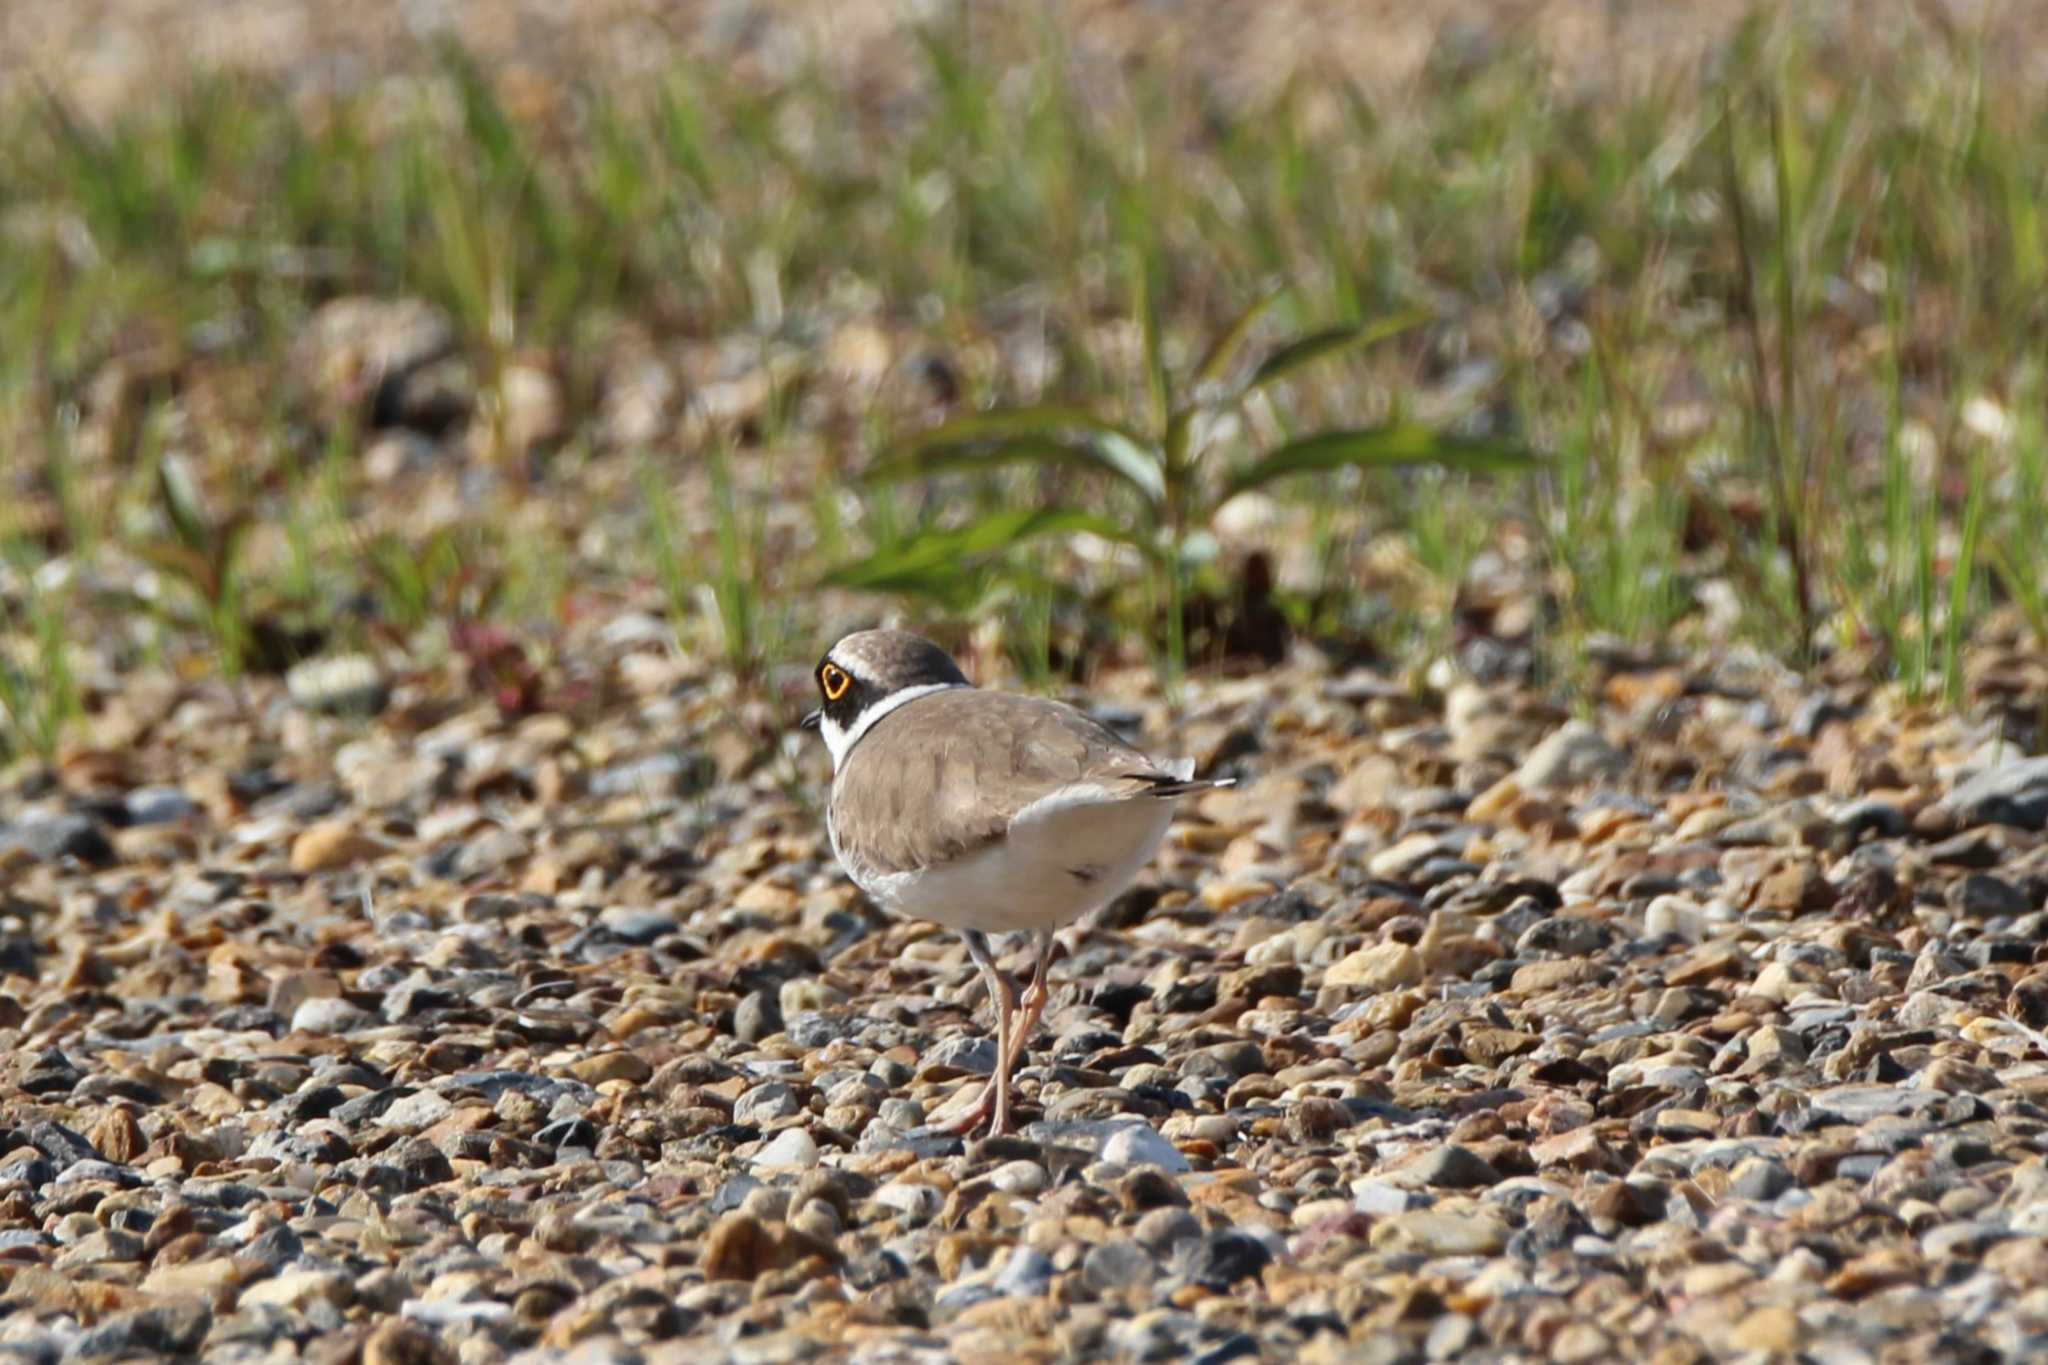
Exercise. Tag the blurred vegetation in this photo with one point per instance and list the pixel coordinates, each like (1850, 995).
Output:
(1774, 324)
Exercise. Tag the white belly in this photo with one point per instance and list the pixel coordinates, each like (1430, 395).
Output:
(1048, 873)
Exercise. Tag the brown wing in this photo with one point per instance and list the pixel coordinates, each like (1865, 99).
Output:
(962, 764)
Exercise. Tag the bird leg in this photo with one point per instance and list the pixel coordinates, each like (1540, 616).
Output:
(1033, 1002)
(995, 1094)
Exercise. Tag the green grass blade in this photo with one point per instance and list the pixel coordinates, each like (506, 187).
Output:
(922, 562)
(1956, 627)
(1328, 342)
(1046, 433)
(1145, 292)
(975, 457)
(2024, 589)
(1397, 443)
(1231, 339)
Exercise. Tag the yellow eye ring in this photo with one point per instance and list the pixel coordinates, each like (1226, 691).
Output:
(833, 682)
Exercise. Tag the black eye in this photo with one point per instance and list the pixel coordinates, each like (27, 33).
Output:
(833, 682)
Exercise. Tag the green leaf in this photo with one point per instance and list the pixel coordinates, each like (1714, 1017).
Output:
(1145, 289)
(930, 561)
(181, 504)
(1046, 434)
(1328, 342)
(2025, 589)
(1397, 443)
(1231, 339)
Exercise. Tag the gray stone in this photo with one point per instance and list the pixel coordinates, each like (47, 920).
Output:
(1870, 818)
(1761, 1179)
(1026, 1274)
(1455, 1167)
(656, 775)
(964, 1053)
(1983, 896)
(636, 925)
(1163, 1229)
(158, 806)
(415, 1112)
(1562, 936)
(756, 1017)
(1118, 1265)
(765, 1103)
(1573, 754)
(2013, 793)
(55, 837)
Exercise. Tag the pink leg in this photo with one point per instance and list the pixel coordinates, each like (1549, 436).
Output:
(1033, 1002)
(995, 1094)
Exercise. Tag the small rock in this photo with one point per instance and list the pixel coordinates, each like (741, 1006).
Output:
(1378, 967)
(792, 1147)
(757, 1016)
(1225, 1257)
(764, 1104)
(295, 1291)
(397, 1342)
(331, 845)
(341, 685)
(1772, 1329)
(1026, 1274)
(1117, 1265)
(2013, 793)
(416, 1112)
(1163, 1229)
(1562, 936)
(56, 837)
(740, 1248)
(1761, 1179)
(158, 806)
(1435, 1233)
(612, 1066)
(1139, 1144)
(1455, 1167)
(962, 1054)
(1708, 962)
(1401, 861)
(1572, 755)
(328, 1015)
(1983, 896)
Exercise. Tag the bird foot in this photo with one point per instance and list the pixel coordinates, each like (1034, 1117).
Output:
(970, 1118)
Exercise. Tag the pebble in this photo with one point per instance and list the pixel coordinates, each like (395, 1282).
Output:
(338, 685)
(1572, 755)
(1139, 1144)
(791, 1147)
(328, 1015)
(2013, 793)
(1455, 1167)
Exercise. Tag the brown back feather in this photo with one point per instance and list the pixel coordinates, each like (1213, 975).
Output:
(965, 762)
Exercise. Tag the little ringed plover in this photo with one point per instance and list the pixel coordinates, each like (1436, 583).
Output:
(987, 812)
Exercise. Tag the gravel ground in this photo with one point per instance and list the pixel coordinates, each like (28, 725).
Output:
(397, 1012)
(1703, 1027)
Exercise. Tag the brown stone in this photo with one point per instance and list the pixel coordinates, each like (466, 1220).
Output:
(1708, 962)
(395, 1341)
(331, 845)
(118, 1137)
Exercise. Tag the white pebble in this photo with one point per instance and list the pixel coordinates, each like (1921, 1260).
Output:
(790, 1147)
(1139, 1144)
